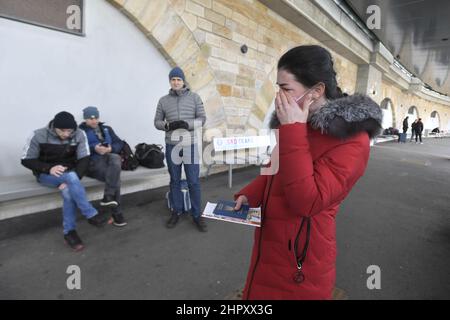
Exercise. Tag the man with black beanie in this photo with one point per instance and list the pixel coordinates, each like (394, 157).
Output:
(58, 155)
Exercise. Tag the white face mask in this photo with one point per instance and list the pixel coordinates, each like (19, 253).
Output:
(306, 92)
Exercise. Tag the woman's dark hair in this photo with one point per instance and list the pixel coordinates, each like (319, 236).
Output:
(311, 65)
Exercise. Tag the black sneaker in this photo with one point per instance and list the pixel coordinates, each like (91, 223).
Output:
(99, 220)
(108, 201)
(118, 219)
(73, 240)
(200, 224)
(173, 220)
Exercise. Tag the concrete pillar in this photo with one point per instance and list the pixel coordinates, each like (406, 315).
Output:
(369, 81)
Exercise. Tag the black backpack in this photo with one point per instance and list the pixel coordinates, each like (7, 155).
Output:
(129, 160)
(150, 155)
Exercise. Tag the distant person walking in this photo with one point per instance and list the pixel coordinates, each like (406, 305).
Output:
(413, 129)
(405, 125)
(418, 130)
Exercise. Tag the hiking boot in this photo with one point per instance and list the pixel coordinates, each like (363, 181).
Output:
(73, 240)
(99, 220)
(108, 201)
(200, 224)
(173, 220)
(118, 219)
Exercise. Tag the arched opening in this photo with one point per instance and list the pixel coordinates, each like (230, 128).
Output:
(434, 122)
(387, 108)
(413, 114)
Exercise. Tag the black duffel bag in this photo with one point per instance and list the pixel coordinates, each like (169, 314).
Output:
(150, 155)
(129, 160)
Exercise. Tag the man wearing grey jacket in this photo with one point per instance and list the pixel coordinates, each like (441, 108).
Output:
(179, 114)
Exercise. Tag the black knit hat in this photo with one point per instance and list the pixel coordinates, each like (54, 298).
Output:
(64, 120)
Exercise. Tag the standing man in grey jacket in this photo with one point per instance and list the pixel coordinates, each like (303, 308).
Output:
(180, 114)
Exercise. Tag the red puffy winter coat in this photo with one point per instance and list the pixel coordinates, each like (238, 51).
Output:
(319, 163)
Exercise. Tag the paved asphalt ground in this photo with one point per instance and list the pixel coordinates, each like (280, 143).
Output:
(397, 217)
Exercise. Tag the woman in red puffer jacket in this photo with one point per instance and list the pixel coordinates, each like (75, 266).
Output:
(323, 149)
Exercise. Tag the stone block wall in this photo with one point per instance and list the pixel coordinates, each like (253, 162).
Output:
(204, 37)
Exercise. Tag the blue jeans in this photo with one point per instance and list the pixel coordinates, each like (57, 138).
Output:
(74, 196)
(192, 171)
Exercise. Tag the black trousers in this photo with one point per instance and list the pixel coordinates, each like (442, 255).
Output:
(419, 134)
(107, 168)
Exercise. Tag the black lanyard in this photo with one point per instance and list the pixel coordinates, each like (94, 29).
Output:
(299, 277)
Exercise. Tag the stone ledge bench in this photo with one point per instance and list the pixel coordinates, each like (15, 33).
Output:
(22, 194)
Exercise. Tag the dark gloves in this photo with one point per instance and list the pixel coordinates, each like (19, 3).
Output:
(179, 124)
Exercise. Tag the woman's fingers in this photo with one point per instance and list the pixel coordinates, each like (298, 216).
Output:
(278, 101)
(291, 111)
(308, 101)
(284, 105)
(278, 106)
(238, 204)
(290, 100)
(240, 201)
(284, 100)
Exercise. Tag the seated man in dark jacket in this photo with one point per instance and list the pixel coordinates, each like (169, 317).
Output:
(58, 156)
(105, 163)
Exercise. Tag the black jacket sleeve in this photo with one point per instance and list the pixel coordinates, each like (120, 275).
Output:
(82, 167)
(36, 166)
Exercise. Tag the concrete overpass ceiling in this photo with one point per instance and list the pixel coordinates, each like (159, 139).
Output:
(417, 33)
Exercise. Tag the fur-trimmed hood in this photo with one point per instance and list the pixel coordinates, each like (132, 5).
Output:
(345, 117)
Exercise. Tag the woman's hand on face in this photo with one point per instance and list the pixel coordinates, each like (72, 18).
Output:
(289, 111)
(240, 201)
